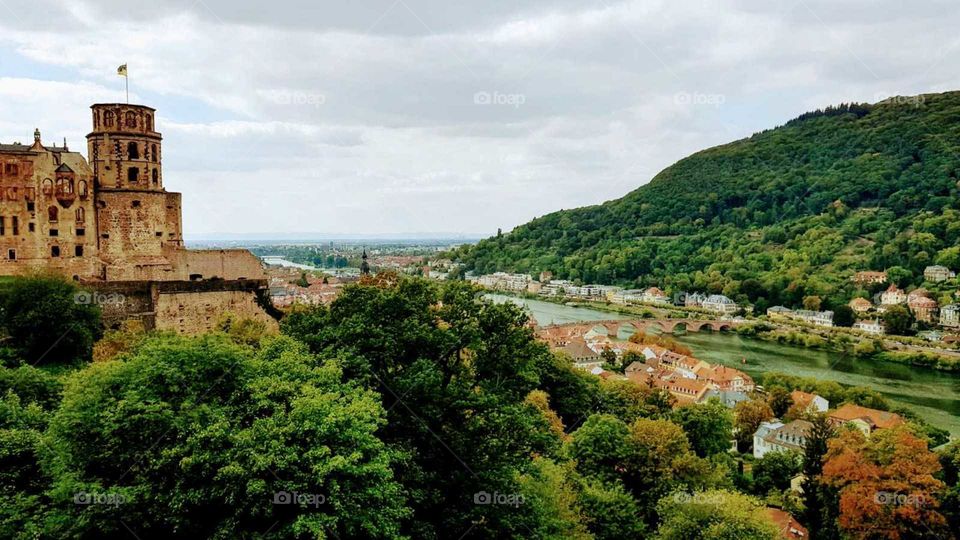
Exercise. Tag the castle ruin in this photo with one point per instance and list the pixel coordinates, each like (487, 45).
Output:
(108, 223)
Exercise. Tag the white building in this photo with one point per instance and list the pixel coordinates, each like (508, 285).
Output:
(937, 274)
(893, 296)
(782, 438)
(720, 304)
(874, 327)
(819, 318)
(628, 296)
(950, 316)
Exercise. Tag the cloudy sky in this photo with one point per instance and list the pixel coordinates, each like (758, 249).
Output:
(403, 116)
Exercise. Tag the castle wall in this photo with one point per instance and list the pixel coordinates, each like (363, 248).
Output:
(191, 313)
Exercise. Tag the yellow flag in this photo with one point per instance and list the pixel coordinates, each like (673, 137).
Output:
(122, 70)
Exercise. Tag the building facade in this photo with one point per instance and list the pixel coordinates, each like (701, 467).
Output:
(107, 222)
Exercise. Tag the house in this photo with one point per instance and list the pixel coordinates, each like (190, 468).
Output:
(726, 378)
(686, 366)
(654, 295)
(693, 300)
(759, 437)
(936, 274)
(923, 307)
(809, 402)
(686, 391)
(865, 419)
(729, 398)
(860, 305)
(627, 296)
(867, 278)
(720, 304)
(818, 318)
(787, 527)
(582, 355)
(950, 316)
(771, 437)
(779, 311)
(893, 296)
(873, 326)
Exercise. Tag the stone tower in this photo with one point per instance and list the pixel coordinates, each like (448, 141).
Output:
(139, 221)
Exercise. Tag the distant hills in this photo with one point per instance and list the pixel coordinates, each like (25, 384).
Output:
(788, 212)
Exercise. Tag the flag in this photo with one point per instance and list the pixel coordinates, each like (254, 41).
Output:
(122, 70)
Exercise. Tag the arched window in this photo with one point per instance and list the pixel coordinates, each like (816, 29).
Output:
(108, 118)
(133, 175)
(81, 214)
(153, 152)
(52, 213)
(47, 186)
(133, 152)
(148, 120)
(82, 189)
(64, 186)
(131, 119)
(156, 177)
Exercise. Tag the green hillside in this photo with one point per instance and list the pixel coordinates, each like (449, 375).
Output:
(788, 212)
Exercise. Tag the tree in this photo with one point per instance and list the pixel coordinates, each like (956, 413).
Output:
(748, 415)
(612, 514)
(49, 319)
(203, 438)
(812, 303)
(844, 316)
(886, 484)
(713, 515)
(628, 400)
(817, 497)
(898, 320)
(780, 400)
(709, 426)
(775, 470)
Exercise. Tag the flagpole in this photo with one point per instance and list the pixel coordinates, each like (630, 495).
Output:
(126, 83)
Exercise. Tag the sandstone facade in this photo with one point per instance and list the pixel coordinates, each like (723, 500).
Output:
(109, 223)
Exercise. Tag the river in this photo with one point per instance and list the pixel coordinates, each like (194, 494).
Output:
(933, 395)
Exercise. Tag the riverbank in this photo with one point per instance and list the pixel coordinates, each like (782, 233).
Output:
(935, 395)
(840, 340)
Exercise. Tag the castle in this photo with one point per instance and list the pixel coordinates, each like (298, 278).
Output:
(108, 223)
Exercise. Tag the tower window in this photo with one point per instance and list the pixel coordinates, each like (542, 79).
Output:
(82, 189)
(81, 214)
(54, 232)
(131, 119)
(156, 177)
(30, 206)
(55, 251)
(47, 186)
(31, 227)
(81, 232)
(78, 251)
(15, 225)
(135, 204)
(52, 214)
(12, 254)
(3, 224)
(108, 118)
(148, 120)
(133, 152)
(12, 169)
(133, 175)
(153, 152)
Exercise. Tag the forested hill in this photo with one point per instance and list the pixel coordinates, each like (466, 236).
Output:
(788, 212)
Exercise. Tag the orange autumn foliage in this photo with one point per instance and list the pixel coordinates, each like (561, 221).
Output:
(642, 338)
(886, 484)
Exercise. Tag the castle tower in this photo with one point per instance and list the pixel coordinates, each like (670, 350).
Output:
(138, 221)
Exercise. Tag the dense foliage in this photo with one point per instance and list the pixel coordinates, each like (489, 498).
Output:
(787, 213)
(409, 409)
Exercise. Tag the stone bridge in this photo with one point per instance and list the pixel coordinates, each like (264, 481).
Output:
(613, 327)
